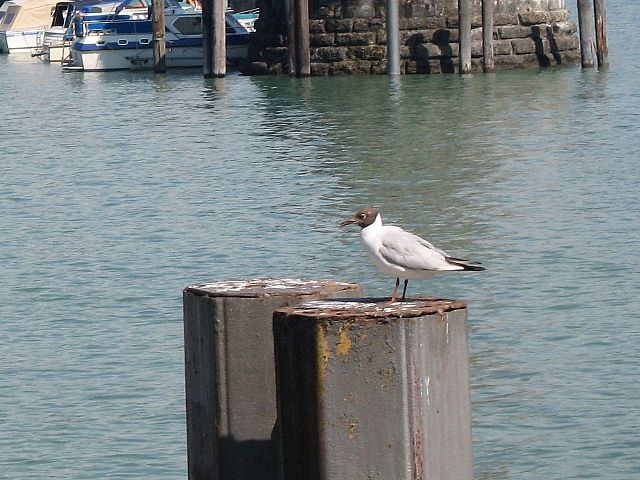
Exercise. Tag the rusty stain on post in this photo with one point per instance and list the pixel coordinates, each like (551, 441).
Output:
(403, 396)
(344, 346)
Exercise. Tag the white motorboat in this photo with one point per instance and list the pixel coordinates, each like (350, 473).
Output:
(127, 44)
(23, 21)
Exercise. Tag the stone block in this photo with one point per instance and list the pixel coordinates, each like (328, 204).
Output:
(254, 68)
(329, 54)
(523, 45)
(321, 40)
(422, 23)
(565, 42)
(444, 36)
(327, 11)
(412, 38)
(570, 57)
(368, 25)
(426, 51)
(476, 21)
(316, 26)
(379, 68)
(534, 17)
(348, 39)
(270, 39)
(370, 53)
(337, 25)
(502, 47)
(275, 55)
(533, 60)
(514, 31)
(350, 67)
(320, 69)
(450, 50)
(500, 19)
(359, 10)
(476, 48)
(567, 28)
(277, 69)
(508, 61)
(452, 21)
(558, 15)
(476, 34)
(405, 52)
(420, 9)
(381, 37)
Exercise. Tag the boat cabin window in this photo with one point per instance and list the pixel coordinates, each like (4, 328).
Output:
(189, 25)
(59, 14)
(9, 17)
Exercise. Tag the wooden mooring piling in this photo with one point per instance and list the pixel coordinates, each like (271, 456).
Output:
(214, 40)
(159, 47)
(364, 388)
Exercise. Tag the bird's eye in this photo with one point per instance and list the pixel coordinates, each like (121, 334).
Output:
(361, 215)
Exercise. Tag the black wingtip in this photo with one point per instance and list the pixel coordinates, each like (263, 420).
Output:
(466, 264)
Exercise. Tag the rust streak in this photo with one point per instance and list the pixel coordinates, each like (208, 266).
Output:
(344, 346)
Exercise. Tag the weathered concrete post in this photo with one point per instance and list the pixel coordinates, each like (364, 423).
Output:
(602, 46)
(586, 24)
(464, 26)
(393, 37)
(488, 64)
(372, 390)
(230, 374)
(159, 47)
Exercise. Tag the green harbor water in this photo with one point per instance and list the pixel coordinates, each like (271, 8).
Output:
(119, 189)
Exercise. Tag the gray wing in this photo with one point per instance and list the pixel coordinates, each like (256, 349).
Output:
(412, 252)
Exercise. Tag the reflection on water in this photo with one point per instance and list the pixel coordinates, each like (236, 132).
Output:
(118, 190)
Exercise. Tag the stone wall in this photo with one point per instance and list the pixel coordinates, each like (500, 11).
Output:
(348, 36)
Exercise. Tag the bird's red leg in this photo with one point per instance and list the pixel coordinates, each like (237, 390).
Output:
(404, 290)
(394, 297)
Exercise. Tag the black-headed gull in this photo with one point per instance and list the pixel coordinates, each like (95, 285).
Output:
(403, 254)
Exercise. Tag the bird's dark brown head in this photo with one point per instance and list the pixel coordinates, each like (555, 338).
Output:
(363, 217)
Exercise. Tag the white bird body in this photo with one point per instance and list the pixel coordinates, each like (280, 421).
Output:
(403, 254)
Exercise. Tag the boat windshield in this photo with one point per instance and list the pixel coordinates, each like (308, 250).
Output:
(147, 4)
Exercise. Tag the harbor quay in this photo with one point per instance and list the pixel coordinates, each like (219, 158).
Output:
(351, 36)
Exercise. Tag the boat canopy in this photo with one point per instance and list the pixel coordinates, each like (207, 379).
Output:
(25, 15)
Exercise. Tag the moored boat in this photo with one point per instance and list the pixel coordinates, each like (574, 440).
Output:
(23, 21)
(127, 44)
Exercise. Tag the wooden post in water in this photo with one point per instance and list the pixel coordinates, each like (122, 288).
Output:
(602, 47)
(214, 44)
(464, 26)
(290, 12)
(393, 37)
(159, 47)
(230, 374)
(586, 24)
(488, 64)
(368, 389)
(297, 12)
(303, 53)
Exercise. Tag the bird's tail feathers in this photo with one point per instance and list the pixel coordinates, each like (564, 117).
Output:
(466, 264)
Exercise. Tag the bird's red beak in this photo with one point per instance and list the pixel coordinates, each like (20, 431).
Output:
(349, 221)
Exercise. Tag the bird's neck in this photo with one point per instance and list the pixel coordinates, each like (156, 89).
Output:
(377, 223)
